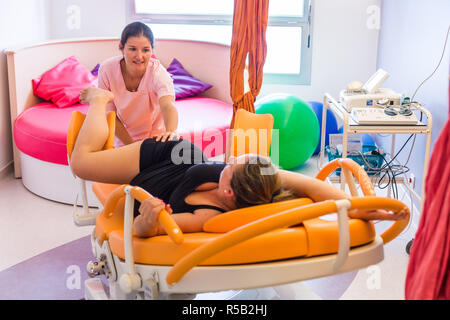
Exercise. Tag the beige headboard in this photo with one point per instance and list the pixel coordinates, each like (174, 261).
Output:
(209, 62)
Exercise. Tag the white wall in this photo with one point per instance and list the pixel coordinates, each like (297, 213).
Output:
(21, 22)
(87, 18)
(344, 48)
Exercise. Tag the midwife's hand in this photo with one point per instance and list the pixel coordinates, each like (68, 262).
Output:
(169, 135)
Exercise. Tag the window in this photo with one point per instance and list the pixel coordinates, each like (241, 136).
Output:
(288, 33)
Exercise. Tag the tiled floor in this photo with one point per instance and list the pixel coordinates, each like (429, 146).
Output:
(31, 225)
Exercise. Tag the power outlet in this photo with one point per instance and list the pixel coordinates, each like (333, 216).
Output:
(412, 180)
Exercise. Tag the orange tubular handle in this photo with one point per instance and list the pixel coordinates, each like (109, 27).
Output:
(357, 170)
(368, 190)
(111, 202)
(169, 225)
(140, 194)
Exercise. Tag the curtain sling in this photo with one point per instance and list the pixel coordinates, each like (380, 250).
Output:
(249, 29)
(428, 275)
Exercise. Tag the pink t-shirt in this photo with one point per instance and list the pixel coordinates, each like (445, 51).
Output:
(139, 111)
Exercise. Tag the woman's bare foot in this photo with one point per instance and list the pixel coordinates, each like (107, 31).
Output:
(88, 95)
(379, 214)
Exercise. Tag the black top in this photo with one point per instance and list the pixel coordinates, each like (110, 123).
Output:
(195, 176)
(163, 176)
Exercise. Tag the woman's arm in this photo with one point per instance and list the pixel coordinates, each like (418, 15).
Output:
(169, 112)
(304, 186)
(317, 190)
(170, 116)
(146, 224)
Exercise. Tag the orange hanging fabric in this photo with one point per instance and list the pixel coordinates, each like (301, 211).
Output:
(249, 37)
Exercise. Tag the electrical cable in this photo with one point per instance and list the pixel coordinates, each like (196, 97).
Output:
(411, 203)
(389, 172)
(442, 56)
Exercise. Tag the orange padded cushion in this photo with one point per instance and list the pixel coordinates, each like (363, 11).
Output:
(233, 219)
(161, 250)
(313, 239)
(323, 235)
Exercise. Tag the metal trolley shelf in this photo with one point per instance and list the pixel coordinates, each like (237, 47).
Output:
(350, 126)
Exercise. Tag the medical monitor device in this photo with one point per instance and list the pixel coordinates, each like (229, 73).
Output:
(375, 81)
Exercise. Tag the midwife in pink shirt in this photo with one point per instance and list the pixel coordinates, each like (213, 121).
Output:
(144, 96)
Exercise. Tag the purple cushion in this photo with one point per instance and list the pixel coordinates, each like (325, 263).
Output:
(185, 85)
(95, 70)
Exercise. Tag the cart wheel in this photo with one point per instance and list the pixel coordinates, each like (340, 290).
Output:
(408, 246)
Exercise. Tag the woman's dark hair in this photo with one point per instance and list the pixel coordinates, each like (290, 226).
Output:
(136, 29)
(258, 182)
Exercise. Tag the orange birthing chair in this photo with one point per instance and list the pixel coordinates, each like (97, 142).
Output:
(260, 246)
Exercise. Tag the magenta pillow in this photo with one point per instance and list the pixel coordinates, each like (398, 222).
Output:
(62, 84)
(185, 85)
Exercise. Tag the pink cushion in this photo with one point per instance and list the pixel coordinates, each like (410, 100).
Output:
(41, 131)
(62, 84)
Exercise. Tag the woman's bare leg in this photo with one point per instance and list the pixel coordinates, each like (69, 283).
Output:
(88, 160)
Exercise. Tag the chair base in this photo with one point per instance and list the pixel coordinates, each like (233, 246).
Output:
(53, 181)
(206, 279)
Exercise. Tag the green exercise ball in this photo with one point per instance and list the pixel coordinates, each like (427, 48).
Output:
(297, 127)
